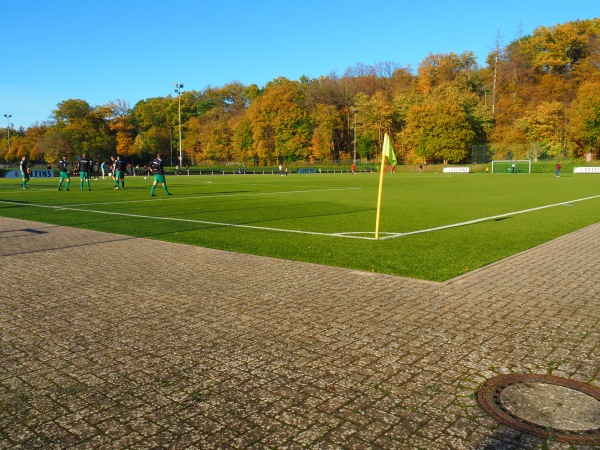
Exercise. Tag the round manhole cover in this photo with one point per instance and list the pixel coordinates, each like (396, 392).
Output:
(544, 406)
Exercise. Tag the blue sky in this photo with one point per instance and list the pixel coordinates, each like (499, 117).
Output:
(103, 50)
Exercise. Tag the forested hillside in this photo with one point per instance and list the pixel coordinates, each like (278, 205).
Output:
(542, 90)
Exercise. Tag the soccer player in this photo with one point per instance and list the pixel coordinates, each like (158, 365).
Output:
(156, 167)
(120, 167)
(63, 170)
(85, 167)
(24, 169)
(113, 163)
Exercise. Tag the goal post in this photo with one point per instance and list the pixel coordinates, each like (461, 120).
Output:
(511, 166)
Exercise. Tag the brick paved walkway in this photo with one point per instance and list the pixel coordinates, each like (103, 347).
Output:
(114, 342)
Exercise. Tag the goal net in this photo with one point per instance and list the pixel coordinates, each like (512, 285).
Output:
(511, 166)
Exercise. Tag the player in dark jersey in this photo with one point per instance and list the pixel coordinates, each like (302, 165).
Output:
(113, 162)
(120, 167)
(24, 169)
(63, 171)
(156, 167)
(85, 167)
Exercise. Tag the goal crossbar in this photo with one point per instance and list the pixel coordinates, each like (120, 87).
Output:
(511, 166)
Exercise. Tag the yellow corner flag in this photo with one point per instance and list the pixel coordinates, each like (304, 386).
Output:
(387, 152)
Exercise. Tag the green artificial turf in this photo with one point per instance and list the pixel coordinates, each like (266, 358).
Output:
(330, 218)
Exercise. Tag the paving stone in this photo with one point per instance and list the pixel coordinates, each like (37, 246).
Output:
(109, 341)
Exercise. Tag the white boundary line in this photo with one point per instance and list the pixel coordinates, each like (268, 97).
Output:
(177, 219)
(350, 235)
(483, 219)
(236, 194)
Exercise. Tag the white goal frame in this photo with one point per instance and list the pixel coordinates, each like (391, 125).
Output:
(511, 161)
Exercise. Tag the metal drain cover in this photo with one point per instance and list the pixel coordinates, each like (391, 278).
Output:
(545, 406)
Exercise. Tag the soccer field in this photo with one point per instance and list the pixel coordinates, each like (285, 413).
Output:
(433, 226)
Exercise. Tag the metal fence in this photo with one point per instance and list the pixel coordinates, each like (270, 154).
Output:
(484, 154)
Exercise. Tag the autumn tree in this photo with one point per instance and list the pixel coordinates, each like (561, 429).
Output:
(281, 128)
(118, 115)
(209, 132)
(209, 137)
(536, 70)
(538, 89)
(585, 117)
(11, 148)
(440, 129)
(562, 48)
(327, 123)
(438, 69)
(375, 113)
(546, 126)
(333, 93)
(33, 143)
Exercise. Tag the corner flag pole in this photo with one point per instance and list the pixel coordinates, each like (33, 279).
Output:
(379, 201)
(386, 144)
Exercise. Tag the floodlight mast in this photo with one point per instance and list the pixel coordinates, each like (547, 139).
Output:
(355, 111)
(178, 89)
(8, 116)
(171, 142)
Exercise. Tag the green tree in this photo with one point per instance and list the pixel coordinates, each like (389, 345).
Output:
(84, 128)
(367, 146)
(156, 126)
(56, 145)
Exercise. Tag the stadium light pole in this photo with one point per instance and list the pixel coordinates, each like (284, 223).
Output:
(178, 89)
(8, 116)
(355, 111)
(171, 142)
